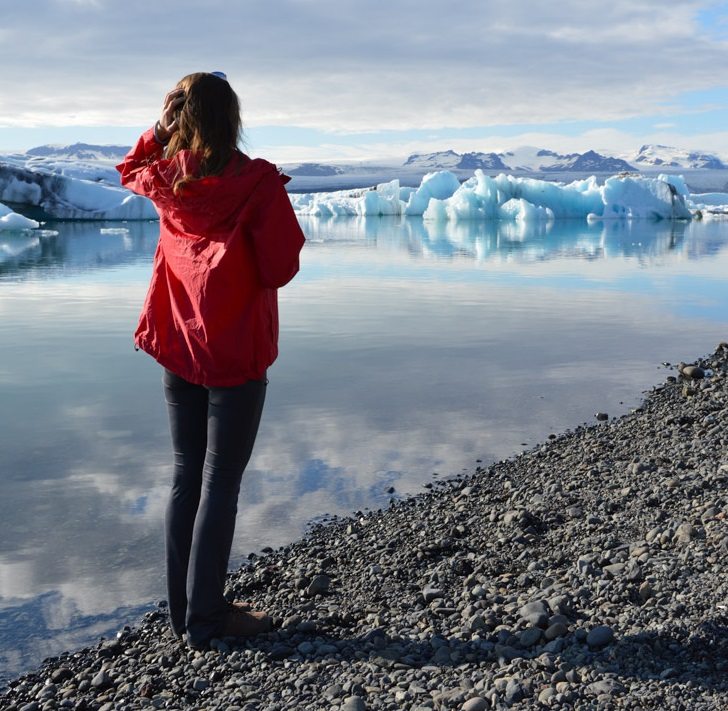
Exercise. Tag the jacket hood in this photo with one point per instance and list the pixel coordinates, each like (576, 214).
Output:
(214, 202)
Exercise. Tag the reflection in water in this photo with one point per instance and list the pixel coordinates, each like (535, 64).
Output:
(408, 349)
(83, 245)
(64, 246)
(487, 241)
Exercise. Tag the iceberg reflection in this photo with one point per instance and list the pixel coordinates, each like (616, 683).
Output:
(524, 241)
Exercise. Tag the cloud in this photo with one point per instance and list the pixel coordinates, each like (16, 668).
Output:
(344, 66)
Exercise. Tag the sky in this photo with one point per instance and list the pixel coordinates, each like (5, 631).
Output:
(334, 80)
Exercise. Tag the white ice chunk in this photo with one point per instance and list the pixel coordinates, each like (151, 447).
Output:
(521, 210)
(677, 182)
(708, 199)
(437, 186)
(70, 197)
(642, 198)
(383, 200)
(10, 220)
(710, 205)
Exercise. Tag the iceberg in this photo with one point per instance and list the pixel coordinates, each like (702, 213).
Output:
(70, 197)
(709, 205)
(10, 220)
(441, 197)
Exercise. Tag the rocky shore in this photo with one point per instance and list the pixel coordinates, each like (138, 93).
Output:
(587, 573)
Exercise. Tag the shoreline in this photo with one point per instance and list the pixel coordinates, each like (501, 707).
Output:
(588, 572)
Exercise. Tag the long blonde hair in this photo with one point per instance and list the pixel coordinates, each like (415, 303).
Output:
(209, 125)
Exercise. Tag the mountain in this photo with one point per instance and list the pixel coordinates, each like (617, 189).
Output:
(441, 160)
(527, 159)
(80, 151)
(450, 160)
(314, 170)
(485, 161)
(591, 161)
(665, 156)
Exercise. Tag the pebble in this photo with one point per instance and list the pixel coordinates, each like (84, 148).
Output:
(354, 703)
(101, 680)
(600, 636)
(605, 686)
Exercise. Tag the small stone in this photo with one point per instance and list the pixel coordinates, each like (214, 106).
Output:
(605, 686)
(546, 695)
(614, 570)
(601, 416)
(354, 703)
(536, 613)
(319, 585)
(685, 533)
(514, 692)
(694, 372)
(529, 637)
(600, 636)
(101, 680)
(645, 591)
(200, 684)
(430, 593)
(291, 621)
(333, 691)
(475, 704)
(557, 629)
(61, 674)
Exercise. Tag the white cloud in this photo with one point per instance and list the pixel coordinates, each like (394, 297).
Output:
(337, 65)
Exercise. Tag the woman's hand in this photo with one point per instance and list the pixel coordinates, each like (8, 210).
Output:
(167, 123)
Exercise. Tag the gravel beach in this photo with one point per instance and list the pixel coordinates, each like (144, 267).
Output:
(587, 573)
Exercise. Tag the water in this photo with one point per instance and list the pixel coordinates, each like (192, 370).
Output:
(408, 351)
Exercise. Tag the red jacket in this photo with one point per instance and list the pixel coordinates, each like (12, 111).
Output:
(226, 243)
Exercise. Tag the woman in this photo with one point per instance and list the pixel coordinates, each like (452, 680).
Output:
(228, 240)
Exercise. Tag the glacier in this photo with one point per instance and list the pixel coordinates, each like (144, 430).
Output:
(441, 197)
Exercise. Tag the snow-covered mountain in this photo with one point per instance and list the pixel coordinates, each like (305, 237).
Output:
(314, 170)
(665, 156)
(81, 161)
(80, 151)
(591, 161)
(450, 160)
(528, 159)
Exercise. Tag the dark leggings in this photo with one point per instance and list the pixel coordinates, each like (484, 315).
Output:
(213, 432)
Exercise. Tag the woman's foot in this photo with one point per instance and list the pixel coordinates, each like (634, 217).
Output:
(241, 621)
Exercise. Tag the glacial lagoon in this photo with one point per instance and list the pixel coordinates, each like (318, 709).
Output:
(410, 351)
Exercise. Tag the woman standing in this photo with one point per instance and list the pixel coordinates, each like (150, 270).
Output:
(228, 240)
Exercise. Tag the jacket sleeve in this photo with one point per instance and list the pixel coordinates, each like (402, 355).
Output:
(145, 172)
(277, 236)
